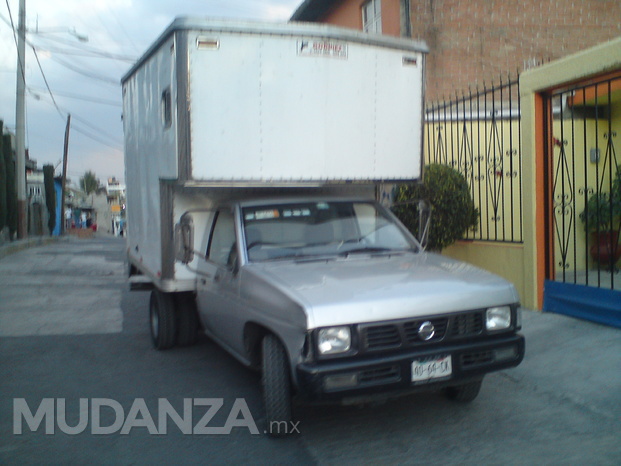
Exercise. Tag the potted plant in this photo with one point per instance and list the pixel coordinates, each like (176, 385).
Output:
(602, 219)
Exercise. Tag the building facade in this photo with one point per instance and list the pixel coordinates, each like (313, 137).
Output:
(475, 42)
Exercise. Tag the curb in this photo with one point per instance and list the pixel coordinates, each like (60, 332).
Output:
(19, 245)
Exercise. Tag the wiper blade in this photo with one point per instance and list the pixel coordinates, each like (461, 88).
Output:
(376, 251)
(369, 250)
(300, 257)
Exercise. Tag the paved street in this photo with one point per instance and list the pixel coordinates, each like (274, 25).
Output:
(71, 330)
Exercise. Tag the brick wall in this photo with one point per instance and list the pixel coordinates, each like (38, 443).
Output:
(478, 41)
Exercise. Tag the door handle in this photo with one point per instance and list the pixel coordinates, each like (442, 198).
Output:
(203, 281)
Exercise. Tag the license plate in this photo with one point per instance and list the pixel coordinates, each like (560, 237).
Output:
(428, 369)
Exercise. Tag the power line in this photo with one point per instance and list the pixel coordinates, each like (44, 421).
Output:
(46, 83)
(92, 135)
(113, 103)
(85, 73)
(95, 138)
(82, 50)
(96, 128)
(87, 133)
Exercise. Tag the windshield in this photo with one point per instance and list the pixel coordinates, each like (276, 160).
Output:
(318, 229)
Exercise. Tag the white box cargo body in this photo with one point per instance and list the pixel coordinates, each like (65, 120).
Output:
(220, 104)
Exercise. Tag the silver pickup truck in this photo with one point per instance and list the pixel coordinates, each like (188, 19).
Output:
(333, 299)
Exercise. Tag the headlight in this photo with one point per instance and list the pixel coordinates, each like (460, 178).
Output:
(334, 340)
(498, 318)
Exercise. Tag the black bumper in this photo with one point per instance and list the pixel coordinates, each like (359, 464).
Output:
(393, 373)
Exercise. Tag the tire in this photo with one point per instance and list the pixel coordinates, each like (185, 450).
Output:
(276, 387)
(464, 393)
(162, 320)
(187, 319)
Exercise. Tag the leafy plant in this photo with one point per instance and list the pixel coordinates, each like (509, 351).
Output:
(452, 209)
(11, 191)
(89, 182)
(3, 207)
(603, 210)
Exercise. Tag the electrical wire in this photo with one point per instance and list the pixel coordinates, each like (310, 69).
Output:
(89, 133)
(85, 73)
(46, 83)
(94, 137)
(90, 125)
(113, 103)
(62, 113)
(82, 50)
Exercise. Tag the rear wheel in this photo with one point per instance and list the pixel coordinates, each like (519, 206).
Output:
(187, 319)
(465, 392)
(276, 387)
(162, 320)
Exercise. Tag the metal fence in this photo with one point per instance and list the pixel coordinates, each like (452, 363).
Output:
(585, 183)
(479, 135)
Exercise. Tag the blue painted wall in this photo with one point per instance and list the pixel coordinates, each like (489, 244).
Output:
(60, 216)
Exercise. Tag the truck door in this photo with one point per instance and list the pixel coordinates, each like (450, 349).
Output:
(218, 284)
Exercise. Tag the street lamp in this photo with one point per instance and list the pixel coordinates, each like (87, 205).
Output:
(70, 31)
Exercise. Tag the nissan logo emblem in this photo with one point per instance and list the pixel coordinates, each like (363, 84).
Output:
(426, 331)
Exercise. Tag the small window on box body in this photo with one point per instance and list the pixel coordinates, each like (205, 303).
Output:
(167, 108)
(372, 16)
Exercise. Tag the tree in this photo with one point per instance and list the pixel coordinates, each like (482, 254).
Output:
(3, 206)
(452, 210)
(11, 190)
(50, 195)
(89, 182)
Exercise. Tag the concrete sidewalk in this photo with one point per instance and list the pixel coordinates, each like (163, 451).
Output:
(574, 361)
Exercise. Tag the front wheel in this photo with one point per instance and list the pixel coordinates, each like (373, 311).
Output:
(276, 387)
(465, 392)
(162, 319)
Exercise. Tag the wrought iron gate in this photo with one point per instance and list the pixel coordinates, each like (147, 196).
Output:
(584, 177)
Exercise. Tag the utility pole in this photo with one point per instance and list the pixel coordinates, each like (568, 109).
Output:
(20, 124)
(64, 181)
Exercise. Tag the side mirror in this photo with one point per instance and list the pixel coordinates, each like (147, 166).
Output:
(184, 239)
(424, 220)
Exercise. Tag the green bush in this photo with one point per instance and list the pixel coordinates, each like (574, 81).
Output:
(50, 196)
(452, 209)
(11, 191)
(3, 208)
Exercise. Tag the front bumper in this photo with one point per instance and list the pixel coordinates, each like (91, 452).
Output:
(338, 379)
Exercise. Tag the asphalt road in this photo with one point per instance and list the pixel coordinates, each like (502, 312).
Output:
(71, 331)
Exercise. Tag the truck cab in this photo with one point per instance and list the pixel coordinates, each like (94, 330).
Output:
(334, 299)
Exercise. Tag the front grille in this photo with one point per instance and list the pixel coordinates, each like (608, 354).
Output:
(405, 333)
(477, 358)
(465, 325)
(382, 336)
(380, 375)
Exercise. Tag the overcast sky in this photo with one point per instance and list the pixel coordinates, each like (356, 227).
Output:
(84, 77)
